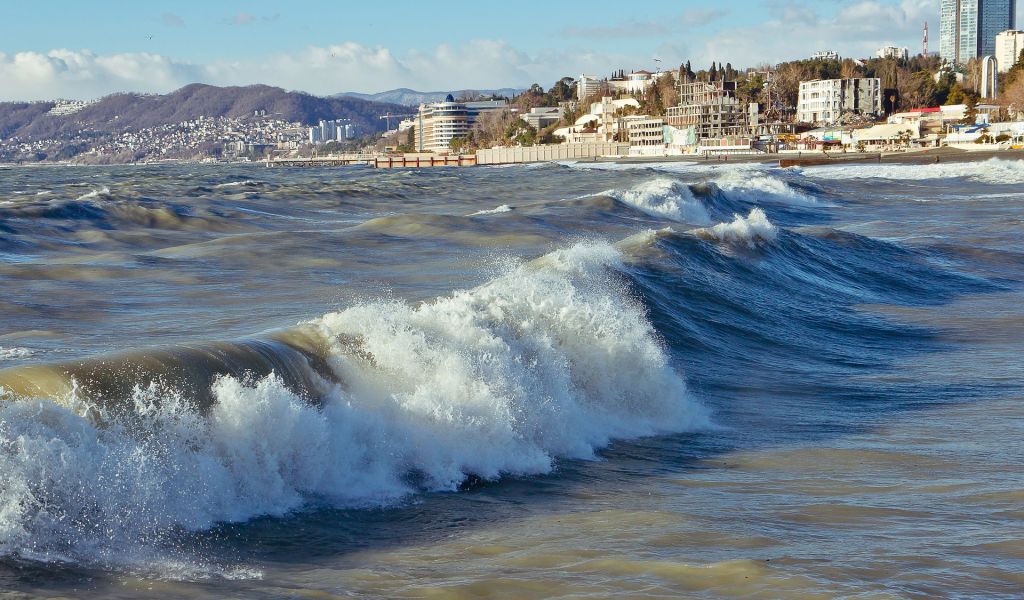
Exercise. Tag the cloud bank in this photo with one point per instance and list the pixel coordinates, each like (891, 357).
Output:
(795, 29)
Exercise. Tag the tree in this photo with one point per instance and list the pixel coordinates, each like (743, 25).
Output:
(520, 133)
(956, 95)
(971, 114)
(1012, 98)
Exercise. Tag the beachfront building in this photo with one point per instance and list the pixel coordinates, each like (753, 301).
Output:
(602, 124)
(968, 28)
(887, 137)
(893, 52)
(587, 86)
(712, 110)
(1009, 45)
(541, 116)
(825, 101)
(646, 132)
(438, 123)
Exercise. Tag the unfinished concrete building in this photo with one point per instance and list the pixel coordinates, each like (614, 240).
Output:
(711, 109)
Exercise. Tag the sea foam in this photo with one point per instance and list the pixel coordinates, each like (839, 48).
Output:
(993, 171)
(663, 197)
(742, 230)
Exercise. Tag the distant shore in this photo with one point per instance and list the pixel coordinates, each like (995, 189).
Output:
(812, 159)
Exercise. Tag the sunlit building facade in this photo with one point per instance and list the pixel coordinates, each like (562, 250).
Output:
(968, 28)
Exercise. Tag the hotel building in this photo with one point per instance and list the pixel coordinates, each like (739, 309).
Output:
(438, 123)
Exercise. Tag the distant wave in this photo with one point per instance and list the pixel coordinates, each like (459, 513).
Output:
(993, 170)
(103, 191)
(247, 182)
(14, 353)
(504, 208)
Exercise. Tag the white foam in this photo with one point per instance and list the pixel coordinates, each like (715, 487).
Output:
(236, 183)
(504, 208)
(993, 170)
(14, 353)
(103, 191)
(742, 230)
(663, 197)
(550, 360)
(754, 184)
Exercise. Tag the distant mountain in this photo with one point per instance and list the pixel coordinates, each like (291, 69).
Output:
(407, 97)
(125, 112)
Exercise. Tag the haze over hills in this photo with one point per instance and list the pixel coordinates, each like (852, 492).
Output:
(122, 112)
(408, 97)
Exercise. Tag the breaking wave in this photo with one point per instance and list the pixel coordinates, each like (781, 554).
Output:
(742, 230)
(664, 197)
(754, 184)
(550, 360)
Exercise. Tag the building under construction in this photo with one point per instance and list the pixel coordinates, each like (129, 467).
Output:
(711, 109)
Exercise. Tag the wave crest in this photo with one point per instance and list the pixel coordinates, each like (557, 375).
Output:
(664, 197)
(742, 230)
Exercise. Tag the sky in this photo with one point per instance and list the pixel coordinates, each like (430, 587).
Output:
(87, 49)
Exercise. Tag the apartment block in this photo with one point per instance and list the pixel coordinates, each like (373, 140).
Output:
(824, 101)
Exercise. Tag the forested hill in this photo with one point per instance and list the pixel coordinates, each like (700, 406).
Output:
(123, 112)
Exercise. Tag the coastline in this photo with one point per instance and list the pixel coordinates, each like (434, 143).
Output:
(813, 159)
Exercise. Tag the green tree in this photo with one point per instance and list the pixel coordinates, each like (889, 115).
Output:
(520, 133)
(971, 115)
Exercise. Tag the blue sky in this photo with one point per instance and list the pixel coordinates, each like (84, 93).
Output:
(87, 49)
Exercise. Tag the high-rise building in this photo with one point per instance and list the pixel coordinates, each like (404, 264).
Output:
(1009, 45)
(968, 28)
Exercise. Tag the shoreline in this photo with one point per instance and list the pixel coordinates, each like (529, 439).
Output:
(809, 159)
(814, 159)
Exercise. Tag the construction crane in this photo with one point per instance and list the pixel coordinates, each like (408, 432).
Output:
(390, 116)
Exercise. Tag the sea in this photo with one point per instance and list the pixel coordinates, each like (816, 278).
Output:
(561, 380)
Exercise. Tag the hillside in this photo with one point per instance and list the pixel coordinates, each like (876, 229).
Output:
(407, 97)
(126, 112)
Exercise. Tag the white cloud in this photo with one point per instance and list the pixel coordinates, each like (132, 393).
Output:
(64, 73)
(858, 29)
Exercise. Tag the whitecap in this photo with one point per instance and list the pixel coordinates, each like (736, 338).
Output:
(742, 230)
(504, 208)
(664, 197)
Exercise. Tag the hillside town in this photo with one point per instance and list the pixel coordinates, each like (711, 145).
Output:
(969, 94)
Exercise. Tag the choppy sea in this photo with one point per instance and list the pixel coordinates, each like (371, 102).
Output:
(550, 381)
